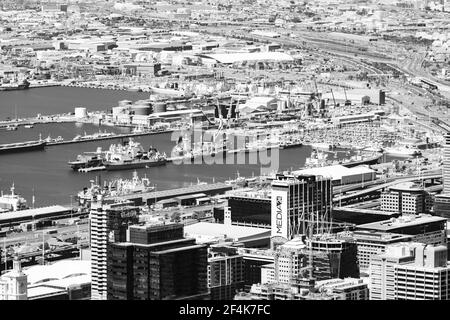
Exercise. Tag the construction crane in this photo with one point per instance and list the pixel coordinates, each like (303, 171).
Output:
(347, 102)
(334, 100)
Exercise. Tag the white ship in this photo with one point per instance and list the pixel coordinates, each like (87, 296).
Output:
(403, 151)
(12, 202)
(118, 187)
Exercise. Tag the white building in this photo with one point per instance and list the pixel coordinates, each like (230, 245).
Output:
(13, 285)
(410, 271)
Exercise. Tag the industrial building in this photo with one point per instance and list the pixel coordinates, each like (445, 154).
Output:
(341, 175)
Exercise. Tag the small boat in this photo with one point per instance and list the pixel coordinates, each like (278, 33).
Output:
(28, 126)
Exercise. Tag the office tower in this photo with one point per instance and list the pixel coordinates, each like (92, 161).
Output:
(321, 257)
(442, 201)
(410, 271)
(446, 167)
(157, 264)
(250, 208)
(371, 243)
(13, 284)
(254, 262)
(300, 205)
(406, 198)
(225, 272)
(108, 223)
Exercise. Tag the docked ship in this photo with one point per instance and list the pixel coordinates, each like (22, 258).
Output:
(117, 187)
(320, 159)
(22, 146)
(15, 86)
(184, 150)
(12, 202)
(88, 160)
(291, 143)
(94, 136)
(132, 156)
(403, 151)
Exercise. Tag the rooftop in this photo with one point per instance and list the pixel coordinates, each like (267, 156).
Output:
(207, 230)
(228, 58)
(401, 222)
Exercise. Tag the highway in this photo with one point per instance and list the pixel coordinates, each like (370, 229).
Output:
(386, 184)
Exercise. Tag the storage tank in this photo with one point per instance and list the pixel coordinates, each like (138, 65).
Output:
(80, 112)
(142, 110)
(125, 103)
(120, 110)
(159, 107)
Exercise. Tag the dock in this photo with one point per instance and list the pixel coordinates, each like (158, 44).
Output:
(154, 196)
(116, 136)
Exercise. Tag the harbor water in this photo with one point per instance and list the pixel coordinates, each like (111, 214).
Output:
(47, 175)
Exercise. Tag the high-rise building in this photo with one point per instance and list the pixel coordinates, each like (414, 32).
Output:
(300, 205)
(371, 243)
(160, 264)
(446, 169)
(225, 272)
(442, 201)
(13, 284)
(410, 271)
(108, 223)
(406, 198)
(323, 257)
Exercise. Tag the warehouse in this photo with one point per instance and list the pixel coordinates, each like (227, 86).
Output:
(341, 175)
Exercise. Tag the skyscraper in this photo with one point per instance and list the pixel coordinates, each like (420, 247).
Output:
(108, 223)
(300, 205)
(446, 167)
(442, 201)
(157, 264)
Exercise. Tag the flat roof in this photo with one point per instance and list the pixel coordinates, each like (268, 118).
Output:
(336, 172)
(30, 214)
(44, 290)
(208, 229)
(229, 58)
(194, 189)
(401, 222)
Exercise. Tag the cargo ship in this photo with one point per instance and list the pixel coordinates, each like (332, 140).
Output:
(134, 160)
(22, 146)
(130, 155)
(320, 159)
(403, 151)
(116, 187)
(88, 160)
(15, 86)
